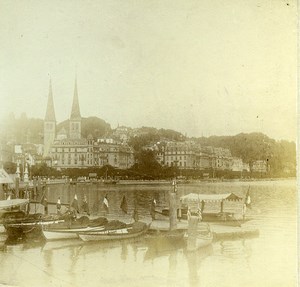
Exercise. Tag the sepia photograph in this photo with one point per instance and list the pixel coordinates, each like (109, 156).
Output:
(148, 143)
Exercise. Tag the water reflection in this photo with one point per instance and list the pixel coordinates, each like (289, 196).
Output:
(155, 260)
(172, 263)
(124, 252)
(161, 245)
(234, 249)
(194, 261)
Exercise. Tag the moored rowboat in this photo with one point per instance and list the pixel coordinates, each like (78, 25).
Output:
(69, 230)
(68, 233)
(130, 231)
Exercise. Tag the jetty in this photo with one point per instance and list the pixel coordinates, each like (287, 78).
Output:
(220, 232)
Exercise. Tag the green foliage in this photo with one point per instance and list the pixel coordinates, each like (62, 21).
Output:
(89, 126)
(256, 146)
(147, 165)
(149, 135)
(44, 170)
(10, 167)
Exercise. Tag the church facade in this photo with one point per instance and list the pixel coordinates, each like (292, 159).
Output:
(70, 150)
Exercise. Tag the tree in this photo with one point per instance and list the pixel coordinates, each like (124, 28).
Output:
(147, 165)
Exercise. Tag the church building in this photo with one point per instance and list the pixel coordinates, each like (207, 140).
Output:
(68, 149)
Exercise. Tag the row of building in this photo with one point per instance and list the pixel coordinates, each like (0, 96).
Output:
(68, 149)
(190, 155)
(82, 153)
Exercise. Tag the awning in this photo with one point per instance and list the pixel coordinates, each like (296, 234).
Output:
(194, 197)
(4, 177)
(12, 202)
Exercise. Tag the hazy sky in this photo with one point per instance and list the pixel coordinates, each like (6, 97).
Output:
(199, 67)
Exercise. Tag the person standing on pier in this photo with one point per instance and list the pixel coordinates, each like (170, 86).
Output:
(152, 210)
(85, 206)
(188, 214)
(45, 203)
(58, 206)
(105, 204)
(135, 215)
(123, 205)
(199, 213)
(244, 210)
(74, 204)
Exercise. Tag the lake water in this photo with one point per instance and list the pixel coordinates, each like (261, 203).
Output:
(267, 260)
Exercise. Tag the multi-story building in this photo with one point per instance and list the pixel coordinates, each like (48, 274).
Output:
(190, 155)
(223, 158)
(70, 150)
(180, 154)
(114, 154)
(259, 166)
(122, 133)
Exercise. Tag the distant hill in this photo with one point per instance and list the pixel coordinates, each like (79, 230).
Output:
(148, 135)
(23, 129)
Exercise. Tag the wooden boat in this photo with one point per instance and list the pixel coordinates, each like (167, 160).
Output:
(12, 203)
(70, 230)
(29, 226)
(10, 212)
(198, 235)
(21, 225)
(68, 233)
(129, 231)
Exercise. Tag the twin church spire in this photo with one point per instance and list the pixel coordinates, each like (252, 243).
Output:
(75, 112)
(50, 120)
(75, 118)
(50, 114)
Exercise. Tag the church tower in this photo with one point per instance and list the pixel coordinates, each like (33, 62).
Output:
(75, 118)
(49, 124)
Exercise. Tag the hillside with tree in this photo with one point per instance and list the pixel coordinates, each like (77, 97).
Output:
(147, 135)
(89, 126)
(23, 129)
(256, 146)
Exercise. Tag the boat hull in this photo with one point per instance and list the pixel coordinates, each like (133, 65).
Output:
(28, 229)
(58, 234)
(117, 234)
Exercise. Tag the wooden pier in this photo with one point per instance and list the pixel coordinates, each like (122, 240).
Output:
(220, 232)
